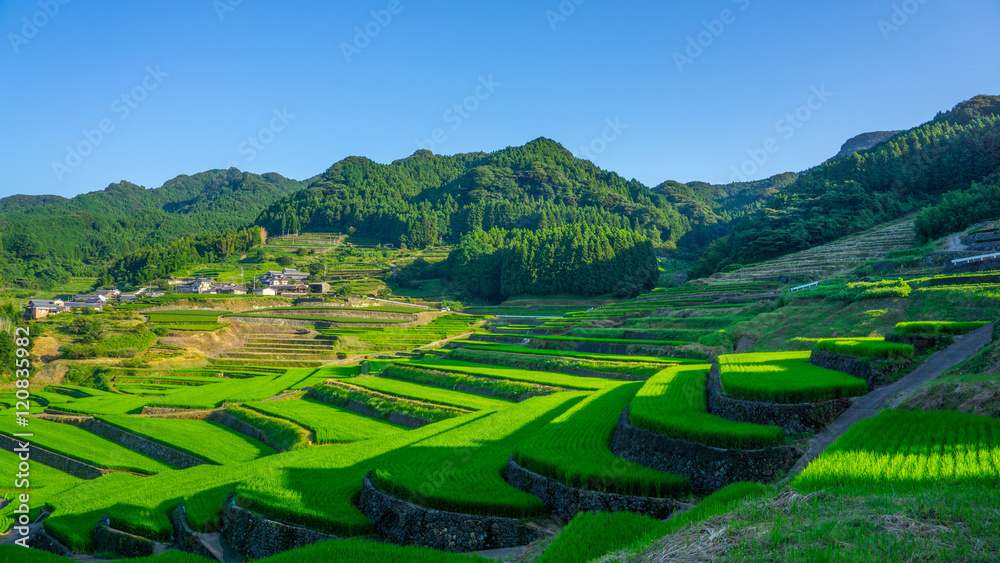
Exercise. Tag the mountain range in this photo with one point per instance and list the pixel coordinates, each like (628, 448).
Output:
(426, 198)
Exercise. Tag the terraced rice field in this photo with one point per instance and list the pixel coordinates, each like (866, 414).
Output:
(429, 394)
(81, 445)
(573, 449)
(383, 339)
(330, 424)
(784, 377)
(209, 441)
(456, 461)
(530, 376)
(831, 259)
(907, 450)
(673, 403)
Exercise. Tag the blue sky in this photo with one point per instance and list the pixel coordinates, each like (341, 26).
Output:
(291, 87)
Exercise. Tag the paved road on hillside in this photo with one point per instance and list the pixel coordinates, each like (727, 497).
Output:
(876, 401)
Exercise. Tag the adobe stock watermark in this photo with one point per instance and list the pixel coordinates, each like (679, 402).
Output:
(31, 26)
(612, 132)
(364, 35)
(256, 144)
(563, 11)
(698, 43)
(459, 112)
(122, 107)
(787, 127)
(901, 14)
(225, 7)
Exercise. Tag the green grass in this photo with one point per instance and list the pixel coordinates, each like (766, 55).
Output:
(44, 482)
(330, 424)
(573, 449)
(673, 403)
(726, 499)
(909, 450)
(79, 444)
(121, 345)
(938, 327)
(184, 316)
(283, 435)
(207, 440)
(21, 555)
(592, 534)
(868, 348)
(784, 377)
(360, 551)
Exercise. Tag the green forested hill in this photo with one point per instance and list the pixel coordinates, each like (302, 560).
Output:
(20, 202)
(424, 197)
(712, 210)
(911, 170)
(45, 239)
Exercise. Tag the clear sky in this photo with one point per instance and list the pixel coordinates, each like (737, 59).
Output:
(184, 86)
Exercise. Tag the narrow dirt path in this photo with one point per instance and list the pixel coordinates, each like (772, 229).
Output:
(954, 242)
(891, 395)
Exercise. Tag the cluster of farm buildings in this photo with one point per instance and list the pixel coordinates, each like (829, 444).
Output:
(288, 282)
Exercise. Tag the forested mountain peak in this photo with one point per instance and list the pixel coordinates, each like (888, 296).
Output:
(972, 109)
(20, 202)
(425, 197)
(864, 142)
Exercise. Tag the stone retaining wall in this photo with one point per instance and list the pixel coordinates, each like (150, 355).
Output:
(233, 423)
(792, 418)
(145, 446)
(963, 280)
(55, 461)
(708, 468)
(254, 536)
(316, 310)
(405, 523)
(123, 544)
(518, 363)
(404, 420)
(185, 536)
(267, 321)
(876, 372)
(565, 501)
(921, 342)
(43, 541)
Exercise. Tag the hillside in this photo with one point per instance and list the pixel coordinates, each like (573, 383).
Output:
(45, 239)
(848, 195)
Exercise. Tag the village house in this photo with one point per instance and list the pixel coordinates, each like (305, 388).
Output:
(284, 277)
(265, 291)
(229, 289)
(41, 308)
(291, 289)
(321, 287)
(200, 285)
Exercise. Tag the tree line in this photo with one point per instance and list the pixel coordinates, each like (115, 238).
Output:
(579, 259)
